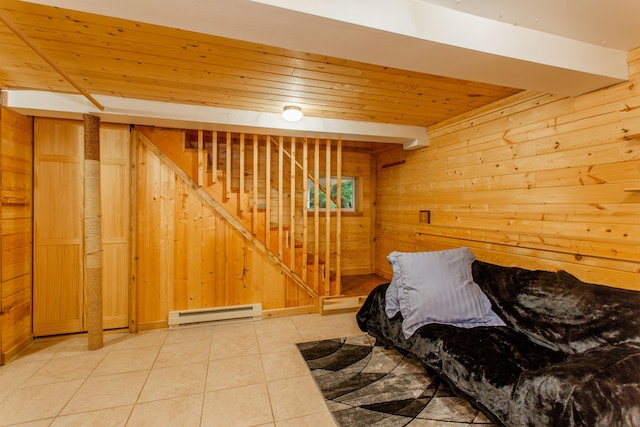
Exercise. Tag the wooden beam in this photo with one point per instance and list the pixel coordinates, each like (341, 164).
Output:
(292, 206)
(254, 219)
(316, 213)
(93, 231)
(280, 191)
(202, 162)
(214, 156)
(327, 220)
(227, 178)
(267, 193)
(305, 204)
(241, 195)
(337, 290)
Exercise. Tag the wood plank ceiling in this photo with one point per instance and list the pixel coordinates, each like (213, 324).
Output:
(108, 56)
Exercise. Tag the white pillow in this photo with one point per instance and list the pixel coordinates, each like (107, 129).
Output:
(392, 305)
(438, 287)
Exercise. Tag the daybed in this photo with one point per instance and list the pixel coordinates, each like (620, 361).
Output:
(567, 355)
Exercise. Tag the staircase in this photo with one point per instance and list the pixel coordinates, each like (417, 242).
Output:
(262, 183)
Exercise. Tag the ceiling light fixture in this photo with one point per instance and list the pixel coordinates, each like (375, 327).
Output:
(292, 113)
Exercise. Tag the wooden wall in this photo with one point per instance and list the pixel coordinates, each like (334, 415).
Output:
(189, 257)
(536, 180)
(16, 151)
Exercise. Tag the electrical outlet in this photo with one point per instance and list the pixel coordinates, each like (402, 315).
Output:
(424, 217)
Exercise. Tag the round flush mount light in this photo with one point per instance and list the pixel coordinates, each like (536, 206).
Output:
(292, 113)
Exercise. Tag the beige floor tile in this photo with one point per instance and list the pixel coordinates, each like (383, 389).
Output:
(295, 397)
(183, 353)
(141, 339)
(235, 372)
(236, 329)
(107, 391)
(323, 419)
(224, 347)
(276, 324)
(174, 381)
(284, 364)
(40, 423)
(79, 346)
(40, 350)
(112, 417)
(15, 374)
(180, 411)
(278, 341)
(237, 407)
(65, 369)
(188, 334)
(321, 332)
(35, 403)
(128, 360)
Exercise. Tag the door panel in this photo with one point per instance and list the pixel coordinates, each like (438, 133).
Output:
(58, 289)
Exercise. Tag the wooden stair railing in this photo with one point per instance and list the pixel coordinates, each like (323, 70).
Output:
(216, 179)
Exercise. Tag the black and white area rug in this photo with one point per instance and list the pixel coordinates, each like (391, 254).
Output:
(365, 385)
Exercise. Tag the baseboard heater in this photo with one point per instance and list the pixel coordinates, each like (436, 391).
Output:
(201, 316)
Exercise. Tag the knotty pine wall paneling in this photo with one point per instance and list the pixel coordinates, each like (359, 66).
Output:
(537, 181)
(16, 154)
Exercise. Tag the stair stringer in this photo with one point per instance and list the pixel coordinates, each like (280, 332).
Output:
(228, 217)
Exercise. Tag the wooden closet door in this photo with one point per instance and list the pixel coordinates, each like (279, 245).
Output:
(58, 290)
(115, 188)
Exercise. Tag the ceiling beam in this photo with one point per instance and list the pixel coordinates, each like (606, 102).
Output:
(183, 116)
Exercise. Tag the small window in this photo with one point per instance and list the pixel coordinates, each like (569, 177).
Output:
(348, 194)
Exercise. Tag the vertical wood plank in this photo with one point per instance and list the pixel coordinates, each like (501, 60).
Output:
(255, 190)
(201, 159)
(280, 192)
(316, 217)
(267, 193)
(214, 156)
(292, 206)
(305, 208)
(242, 196)
(337, 290)
(327, 220)
(134, 256)
(227, 178)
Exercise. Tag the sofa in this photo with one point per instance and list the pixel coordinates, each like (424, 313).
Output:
(555, 352)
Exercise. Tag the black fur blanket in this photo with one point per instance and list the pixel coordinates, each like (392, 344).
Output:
(569, 355)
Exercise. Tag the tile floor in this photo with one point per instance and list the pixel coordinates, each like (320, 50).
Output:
(240, 374)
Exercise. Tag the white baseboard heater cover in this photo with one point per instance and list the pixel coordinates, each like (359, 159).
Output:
(233, 313)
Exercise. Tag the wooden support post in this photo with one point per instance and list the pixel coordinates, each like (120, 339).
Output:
(214, 156)
(93, 231)
(338, 290)
(280, 192)
(254, 219)
(292, 206)
(242, 198)
(305, 207)
(202, 161)
(227, 178)
(316, 215)
(267, 193)
(327, 220)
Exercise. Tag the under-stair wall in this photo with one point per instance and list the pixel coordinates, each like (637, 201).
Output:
(189, 255)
